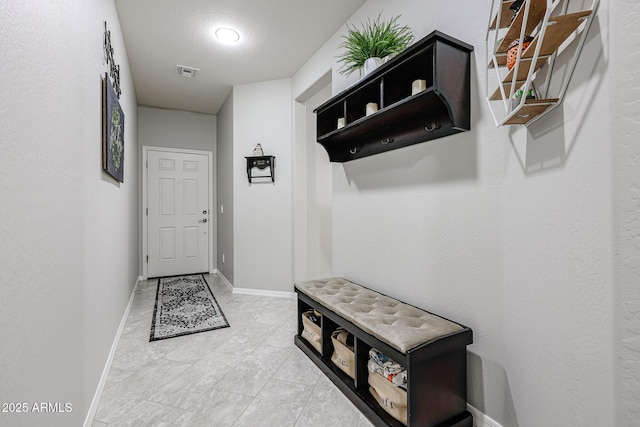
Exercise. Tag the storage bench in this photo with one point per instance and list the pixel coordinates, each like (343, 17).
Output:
(432, 350)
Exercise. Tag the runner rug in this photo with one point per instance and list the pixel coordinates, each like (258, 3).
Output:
(185, 305)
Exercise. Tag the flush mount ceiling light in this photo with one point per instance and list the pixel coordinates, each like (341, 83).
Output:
(227, 35)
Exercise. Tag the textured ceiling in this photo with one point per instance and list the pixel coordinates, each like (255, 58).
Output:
(276, 38)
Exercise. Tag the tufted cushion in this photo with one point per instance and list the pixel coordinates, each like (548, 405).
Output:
(400, 325)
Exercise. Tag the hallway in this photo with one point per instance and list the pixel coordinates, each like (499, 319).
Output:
(249, 374)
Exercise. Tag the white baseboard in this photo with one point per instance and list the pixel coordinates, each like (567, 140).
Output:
(224, 279)
(480, 419)
(107, 367)
(257, 292)
(265, 293)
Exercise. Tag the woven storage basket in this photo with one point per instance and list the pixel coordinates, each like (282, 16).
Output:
(391, 398)
(311, 332)
(343, 356)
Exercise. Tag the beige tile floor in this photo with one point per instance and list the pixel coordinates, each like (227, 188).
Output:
(250, 374)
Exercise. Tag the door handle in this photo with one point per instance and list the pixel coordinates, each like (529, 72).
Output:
(203, 220)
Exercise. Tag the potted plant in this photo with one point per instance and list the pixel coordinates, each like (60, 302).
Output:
(377, 39)
(517, 97)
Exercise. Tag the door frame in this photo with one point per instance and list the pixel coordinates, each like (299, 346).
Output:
(144, 199)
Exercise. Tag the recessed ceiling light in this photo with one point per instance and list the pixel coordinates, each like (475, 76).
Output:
(227, 35)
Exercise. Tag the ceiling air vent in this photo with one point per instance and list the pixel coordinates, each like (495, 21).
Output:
(187, 72)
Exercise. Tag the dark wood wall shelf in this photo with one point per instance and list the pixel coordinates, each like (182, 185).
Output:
(261, 163)
(441, 109)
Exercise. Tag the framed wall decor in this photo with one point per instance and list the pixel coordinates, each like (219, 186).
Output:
(112, 132)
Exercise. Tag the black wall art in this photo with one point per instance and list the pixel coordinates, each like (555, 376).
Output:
(112, 132)
(107, 58)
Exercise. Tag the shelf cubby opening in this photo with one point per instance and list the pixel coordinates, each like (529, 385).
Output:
(330, 116)
(399, 80)
(356, 104)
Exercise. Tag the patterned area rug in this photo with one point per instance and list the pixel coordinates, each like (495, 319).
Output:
(185, 305)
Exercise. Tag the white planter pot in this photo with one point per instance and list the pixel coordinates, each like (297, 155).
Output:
(371, 64)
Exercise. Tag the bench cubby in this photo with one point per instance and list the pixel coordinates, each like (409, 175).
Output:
(436, 368)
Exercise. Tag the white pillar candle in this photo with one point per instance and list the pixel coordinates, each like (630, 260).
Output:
(340, 122)
(372, 107)
(418, 86)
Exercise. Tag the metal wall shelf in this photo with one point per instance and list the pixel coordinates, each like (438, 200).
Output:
(554, 26)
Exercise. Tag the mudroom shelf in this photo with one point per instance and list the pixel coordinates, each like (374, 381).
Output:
(552, 29)
(420, 95)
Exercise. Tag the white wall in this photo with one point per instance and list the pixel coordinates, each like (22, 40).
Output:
(312, 192)
(263, 212)
(69, 252)
(177, 129)
(224, 178)
(158, 127)
(625, 120)
(507, 231)
(319, 196)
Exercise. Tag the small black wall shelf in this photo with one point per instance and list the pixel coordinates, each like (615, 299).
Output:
(439, 64)
(261, 163)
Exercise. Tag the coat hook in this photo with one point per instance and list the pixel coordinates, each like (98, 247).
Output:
(431, 127)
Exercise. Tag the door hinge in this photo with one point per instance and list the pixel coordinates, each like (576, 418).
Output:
(147, 259)
(147, 211)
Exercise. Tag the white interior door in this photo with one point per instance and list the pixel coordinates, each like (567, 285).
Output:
(178, 213)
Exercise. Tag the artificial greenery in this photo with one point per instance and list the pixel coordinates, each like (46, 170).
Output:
(376, 39)
(520, 92)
